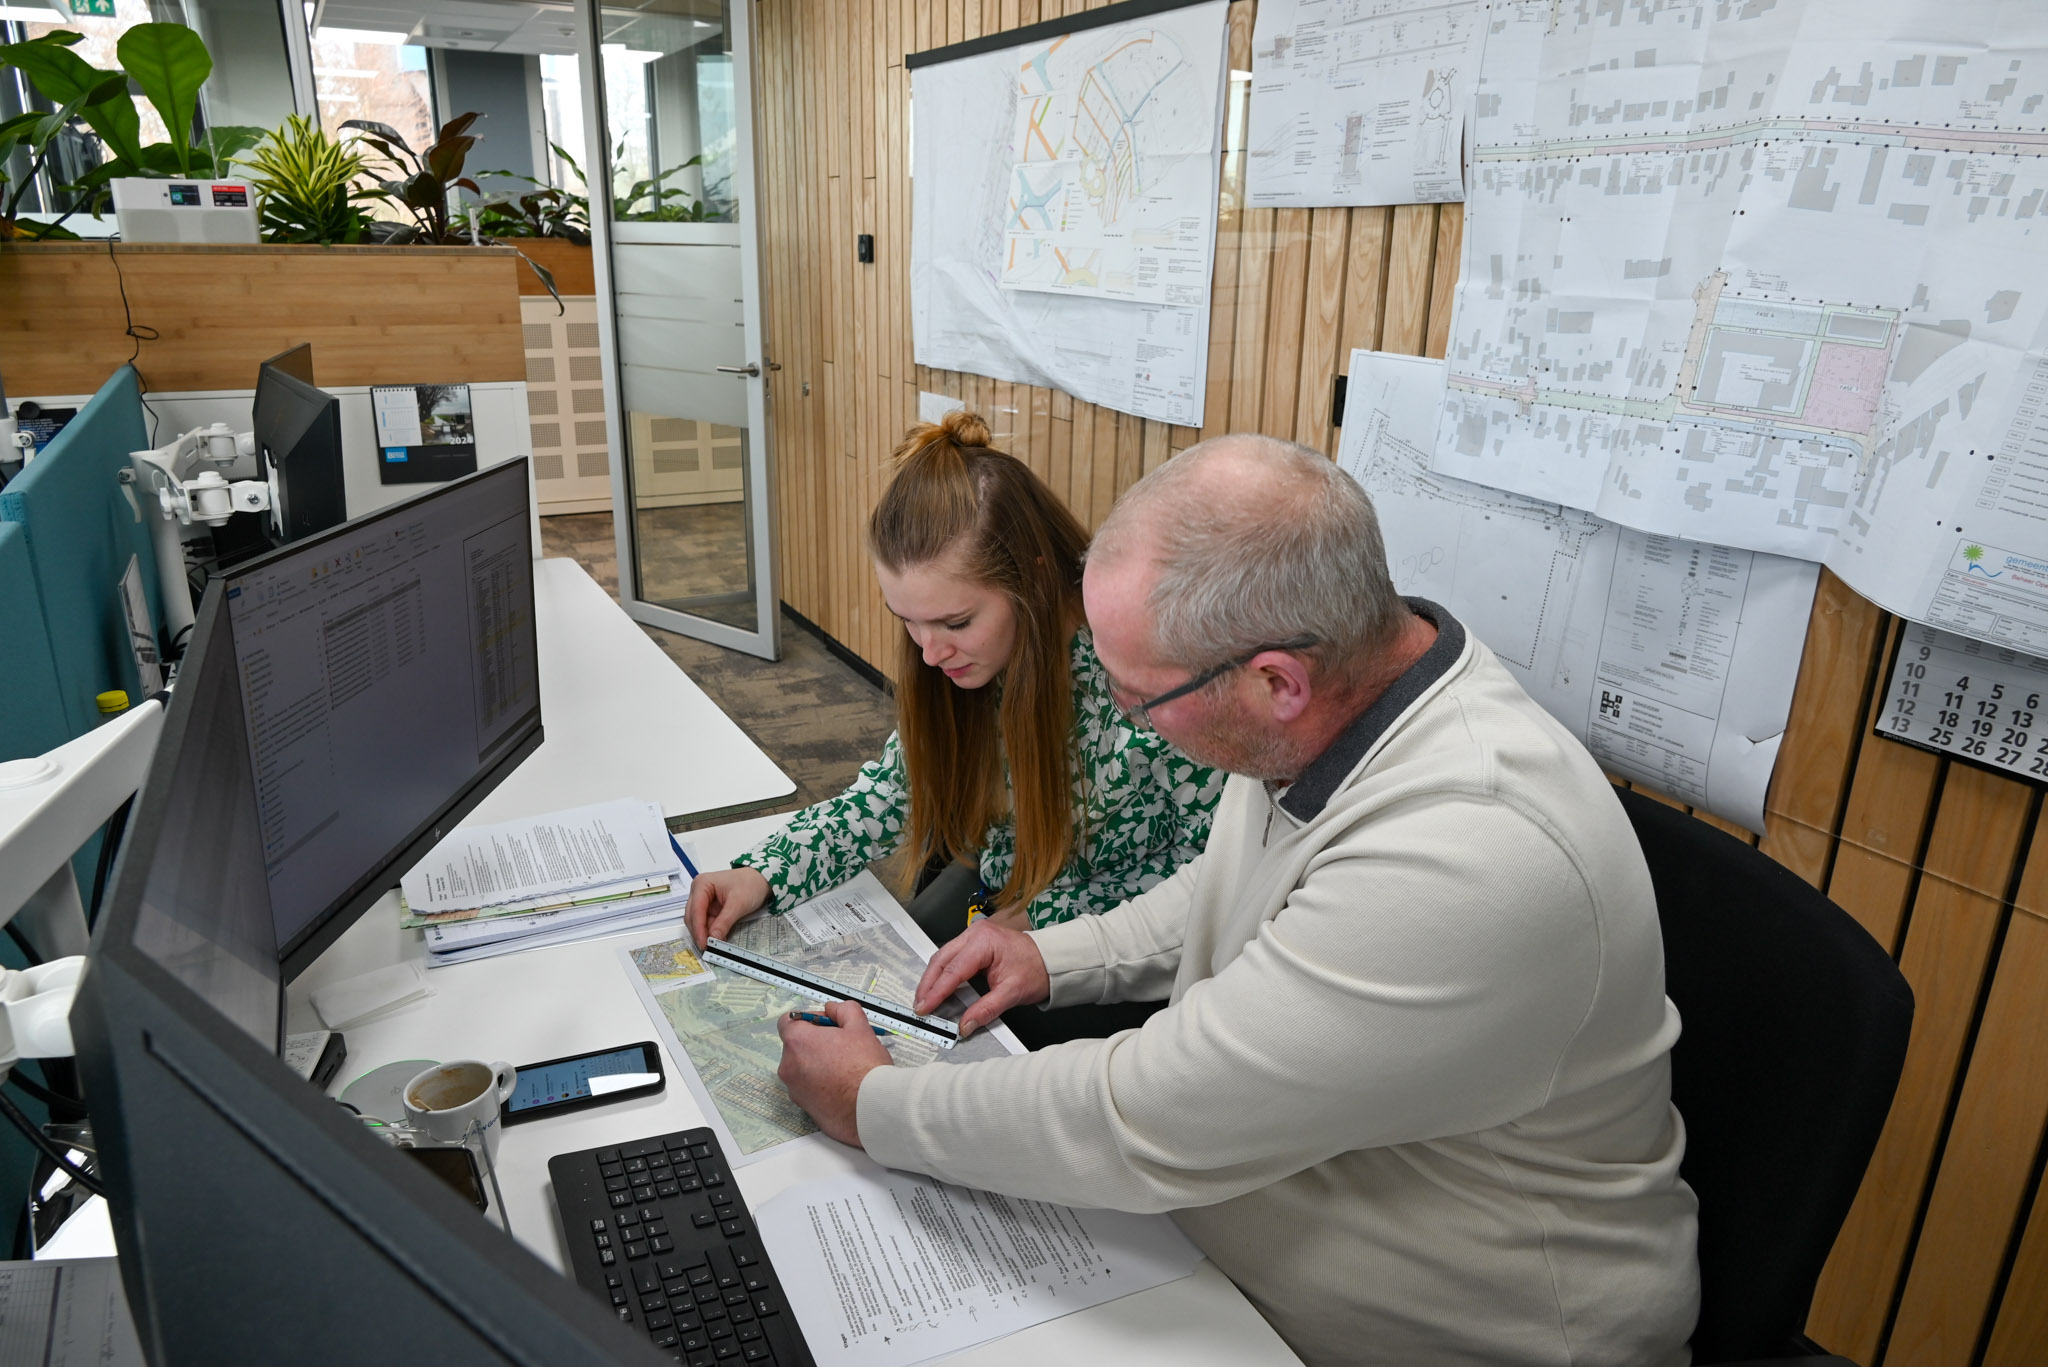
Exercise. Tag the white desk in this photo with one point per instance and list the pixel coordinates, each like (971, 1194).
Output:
(552, 1002)
(622, 720)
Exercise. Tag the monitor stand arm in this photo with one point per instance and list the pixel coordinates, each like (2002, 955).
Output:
(35, 1010)
(186, 478)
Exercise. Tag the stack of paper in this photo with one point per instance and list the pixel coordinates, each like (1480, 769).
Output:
(600, 870)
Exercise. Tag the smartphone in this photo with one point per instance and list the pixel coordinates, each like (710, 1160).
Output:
(560, 1085)
(456, 1166)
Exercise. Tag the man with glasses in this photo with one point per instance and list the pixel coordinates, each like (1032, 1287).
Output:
(1412, 1089)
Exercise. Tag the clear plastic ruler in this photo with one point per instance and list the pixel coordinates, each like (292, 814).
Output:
(891, 1016)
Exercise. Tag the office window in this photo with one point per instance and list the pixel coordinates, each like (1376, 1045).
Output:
(250, 86)
(375, 75)
(668, 97)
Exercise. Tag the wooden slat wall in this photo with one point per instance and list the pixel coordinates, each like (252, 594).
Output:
(375, 315)
(1944, 1260)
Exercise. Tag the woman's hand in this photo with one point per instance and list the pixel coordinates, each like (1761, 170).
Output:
(1015, 968)
(721, 900)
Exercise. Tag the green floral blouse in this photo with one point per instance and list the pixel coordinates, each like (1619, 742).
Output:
(1142, 809)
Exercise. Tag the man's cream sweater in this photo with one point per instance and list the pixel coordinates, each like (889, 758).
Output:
(1412, 1093)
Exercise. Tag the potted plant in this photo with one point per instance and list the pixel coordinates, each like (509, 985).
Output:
(168, 63)
(308, 185)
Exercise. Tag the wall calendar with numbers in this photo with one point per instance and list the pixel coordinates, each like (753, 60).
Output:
(1965, 698)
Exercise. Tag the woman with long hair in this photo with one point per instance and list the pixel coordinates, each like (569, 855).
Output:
(1008, 751)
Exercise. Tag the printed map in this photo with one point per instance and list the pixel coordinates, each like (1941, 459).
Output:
(1673, 661)
(725, 1024)
(1063, 211)
(1767, 274)
(1114, 160)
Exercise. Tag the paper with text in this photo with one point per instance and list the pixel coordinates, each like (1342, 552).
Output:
(1361, 101)
(585, 847)
(886, 1268)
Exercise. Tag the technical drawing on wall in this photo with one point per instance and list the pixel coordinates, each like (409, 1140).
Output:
(1361, 101)
(1064, 200)
(1769, 276)
(1673, 661)
(1112, 144)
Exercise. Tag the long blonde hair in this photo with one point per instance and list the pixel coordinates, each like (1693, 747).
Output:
(954, 494)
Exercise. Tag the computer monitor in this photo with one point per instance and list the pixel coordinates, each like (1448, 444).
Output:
(298, 435)
(256, 1220)
(297, 363)
(388, 678)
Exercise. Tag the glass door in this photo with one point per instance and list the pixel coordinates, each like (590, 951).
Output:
(669, 109)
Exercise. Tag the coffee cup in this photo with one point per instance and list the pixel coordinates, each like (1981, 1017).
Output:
(449, 1099)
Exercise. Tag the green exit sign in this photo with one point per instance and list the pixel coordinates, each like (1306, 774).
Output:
(103, 9)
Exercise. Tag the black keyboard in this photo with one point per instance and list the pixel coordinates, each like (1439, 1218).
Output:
(659, 1230)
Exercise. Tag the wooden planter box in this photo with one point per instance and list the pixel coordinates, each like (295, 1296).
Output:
(375, 315)
(567, 262)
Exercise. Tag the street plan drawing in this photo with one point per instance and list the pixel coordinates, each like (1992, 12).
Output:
(1113, 182)
(1064, 202)
(723, 1025)
(1361, 101)
(1673, 661)
(1769, 275)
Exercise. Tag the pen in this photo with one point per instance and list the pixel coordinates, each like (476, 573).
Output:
(816, 1019)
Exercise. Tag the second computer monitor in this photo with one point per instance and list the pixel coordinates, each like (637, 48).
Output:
(298, 431)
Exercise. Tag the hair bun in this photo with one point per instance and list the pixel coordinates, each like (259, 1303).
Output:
(964, 427)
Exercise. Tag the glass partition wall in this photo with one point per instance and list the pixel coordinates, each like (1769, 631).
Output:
(676, 261)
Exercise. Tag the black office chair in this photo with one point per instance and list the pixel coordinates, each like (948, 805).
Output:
(1795, 1025)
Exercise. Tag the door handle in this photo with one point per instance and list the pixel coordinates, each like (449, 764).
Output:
(750, 370)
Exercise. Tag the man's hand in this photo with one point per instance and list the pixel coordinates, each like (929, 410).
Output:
(823, 1066)
(721, 900)
(1015, 968)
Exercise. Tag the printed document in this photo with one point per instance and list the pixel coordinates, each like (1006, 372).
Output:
(66, 1312)
(1361, 101)
(885, 1268)
(1673, 661)
(583, 848)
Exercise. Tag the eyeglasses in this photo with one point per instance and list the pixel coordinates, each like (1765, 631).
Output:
(1140, 712)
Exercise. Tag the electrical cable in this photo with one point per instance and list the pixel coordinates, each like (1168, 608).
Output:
(56, 1101)
(28, 951)
(141, 334)
(110, 845)
(34, 1134)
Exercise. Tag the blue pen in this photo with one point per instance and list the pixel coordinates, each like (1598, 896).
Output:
(816, 1019)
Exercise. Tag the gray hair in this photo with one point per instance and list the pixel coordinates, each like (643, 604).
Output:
(1257, 541)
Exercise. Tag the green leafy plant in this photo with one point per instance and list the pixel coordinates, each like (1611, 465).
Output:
(421, 183)
(544, 211)
(664, 205)
(551, 211)
(170, 64)
(37, 131)
(306, 185)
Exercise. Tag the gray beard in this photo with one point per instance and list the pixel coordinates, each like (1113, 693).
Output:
(1267, 758)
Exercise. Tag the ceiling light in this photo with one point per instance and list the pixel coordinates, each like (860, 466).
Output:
(31, 14)
(375, 37)
(619, 52)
